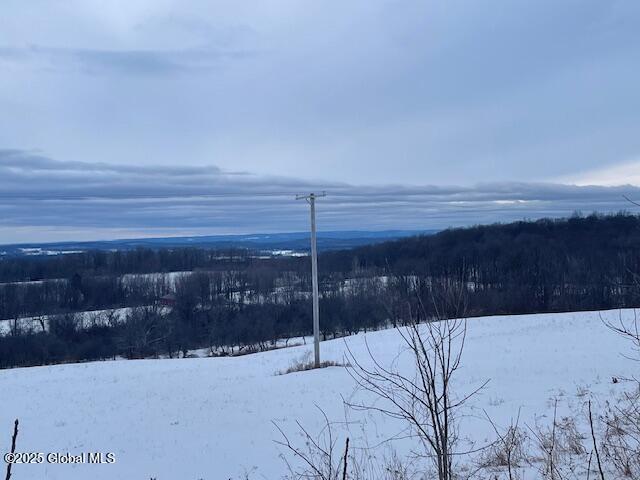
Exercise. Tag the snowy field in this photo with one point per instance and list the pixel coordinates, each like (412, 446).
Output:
(211, 418)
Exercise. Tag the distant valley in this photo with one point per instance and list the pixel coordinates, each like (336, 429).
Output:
(294, 243)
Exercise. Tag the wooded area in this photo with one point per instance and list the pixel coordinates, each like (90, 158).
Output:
(239, 301)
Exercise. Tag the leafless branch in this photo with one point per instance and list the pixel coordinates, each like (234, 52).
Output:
(13, 448)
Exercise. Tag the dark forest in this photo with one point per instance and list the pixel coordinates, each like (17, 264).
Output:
(236, 301)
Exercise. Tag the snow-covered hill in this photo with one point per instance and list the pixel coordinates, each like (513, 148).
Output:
(211, 418)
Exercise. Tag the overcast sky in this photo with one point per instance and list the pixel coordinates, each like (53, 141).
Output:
(120, 118)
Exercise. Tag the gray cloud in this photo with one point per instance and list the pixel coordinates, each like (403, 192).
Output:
(31, 162)
(127, 62)
(41, 193)
(419, 113)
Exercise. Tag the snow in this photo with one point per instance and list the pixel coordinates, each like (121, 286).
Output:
(47, 252)
(170, 277)
(34, 282)
(288, 253)
(211, 418)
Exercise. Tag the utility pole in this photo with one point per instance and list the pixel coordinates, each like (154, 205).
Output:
(311, 199)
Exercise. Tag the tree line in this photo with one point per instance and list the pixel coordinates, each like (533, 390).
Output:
(120, 262)
(243, 302)
(578, 263)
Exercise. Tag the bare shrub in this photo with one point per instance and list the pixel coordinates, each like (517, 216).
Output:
(621, 442)
(305, 363)
(328, 456)
(304, 366)
(319, 456)
(509, 453)
(559, 448)
(369, 466)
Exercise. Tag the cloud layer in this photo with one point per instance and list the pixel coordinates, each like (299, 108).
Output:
(413, 114)
(123, 62)
(45, 200)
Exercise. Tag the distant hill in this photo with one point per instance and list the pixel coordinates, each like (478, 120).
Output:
(577, 263)
(566, 244)
(295, 242)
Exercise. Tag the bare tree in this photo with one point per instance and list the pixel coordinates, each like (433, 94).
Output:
(143, 332)
(424, 401)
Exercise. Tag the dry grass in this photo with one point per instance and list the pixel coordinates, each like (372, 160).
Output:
(306, 363)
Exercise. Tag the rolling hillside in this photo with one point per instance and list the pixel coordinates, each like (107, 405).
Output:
(212, 418)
